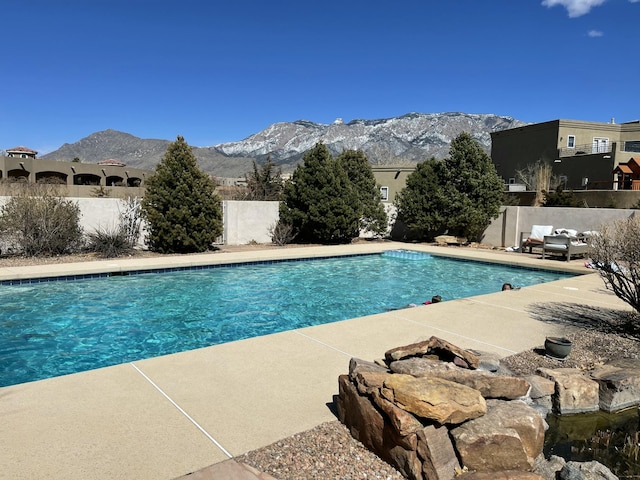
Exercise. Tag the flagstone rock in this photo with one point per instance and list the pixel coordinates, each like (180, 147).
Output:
(585, 471)
(368, 425)
(574, 391)
(435, 346)
(436, 451)
(619, 384)
(434, 398)
(505, 475)
(509, 437)
(488, 384)
(357, 365)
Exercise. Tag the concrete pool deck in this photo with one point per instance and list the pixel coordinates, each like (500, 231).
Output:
(165, 417)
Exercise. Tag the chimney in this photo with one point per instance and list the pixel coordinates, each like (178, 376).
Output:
(613, 120)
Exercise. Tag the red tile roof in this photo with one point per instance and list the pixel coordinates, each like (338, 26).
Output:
(21, 149)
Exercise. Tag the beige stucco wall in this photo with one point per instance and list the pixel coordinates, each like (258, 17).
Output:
(505, 230)
(243, 221)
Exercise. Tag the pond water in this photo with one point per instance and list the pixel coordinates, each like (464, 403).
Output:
(611, 439)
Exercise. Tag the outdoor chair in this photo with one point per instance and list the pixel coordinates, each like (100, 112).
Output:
(565, 245)
(534, 238)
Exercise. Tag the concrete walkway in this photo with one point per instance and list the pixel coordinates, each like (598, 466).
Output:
(165, 417)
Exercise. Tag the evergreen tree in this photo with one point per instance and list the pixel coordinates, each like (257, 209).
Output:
(183, 212)
(265, 183)
(420, 203)
(320, 202)
(373, 216)
(458, 195)
(472, 189)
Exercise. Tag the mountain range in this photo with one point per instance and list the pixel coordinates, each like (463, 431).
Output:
(403, 140)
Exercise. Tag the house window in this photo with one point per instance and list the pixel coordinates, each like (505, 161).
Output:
(512, 180)
(571, 141)
(384, 194)
(600, 145)
(563, 180)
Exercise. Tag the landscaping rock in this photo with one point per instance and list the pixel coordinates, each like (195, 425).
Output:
(436, 451)
(488, 384)
(358, 365)
(619, 382)
(509, 437)
(574, 392)
(434, 398)
(436, 347)
(506, 475)
(593, 470)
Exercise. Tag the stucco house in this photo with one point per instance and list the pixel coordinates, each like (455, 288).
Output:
(22, 164)
(583, 155)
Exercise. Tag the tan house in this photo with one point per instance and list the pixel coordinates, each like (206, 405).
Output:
(391, 179)
(21, 165)
(583, 155)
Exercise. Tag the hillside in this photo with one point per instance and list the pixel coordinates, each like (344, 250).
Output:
(399, 140)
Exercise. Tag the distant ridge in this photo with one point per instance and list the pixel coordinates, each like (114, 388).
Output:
(408, 139)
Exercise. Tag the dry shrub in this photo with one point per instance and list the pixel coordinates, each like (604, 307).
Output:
(616, 254)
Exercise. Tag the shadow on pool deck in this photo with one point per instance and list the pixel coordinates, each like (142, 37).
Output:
(165, 417)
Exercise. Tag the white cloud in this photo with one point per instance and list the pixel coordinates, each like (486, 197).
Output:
(576, 8)
(595, 33)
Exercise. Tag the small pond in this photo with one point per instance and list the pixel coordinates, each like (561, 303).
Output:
(611, 439)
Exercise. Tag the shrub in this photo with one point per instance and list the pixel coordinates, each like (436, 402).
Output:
(37, 222)
(131, 219)
(281, 233)
(616, 254)
(109, 243)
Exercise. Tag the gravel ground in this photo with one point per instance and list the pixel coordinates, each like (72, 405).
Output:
(329, 452)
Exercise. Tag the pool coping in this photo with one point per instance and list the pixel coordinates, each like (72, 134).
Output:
(168, 416)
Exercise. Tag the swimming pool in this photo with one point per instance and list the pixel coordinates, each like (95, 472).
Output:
(56, 328)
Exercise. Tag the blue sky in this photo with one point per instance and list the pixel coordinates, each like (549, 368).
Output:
(220, 71)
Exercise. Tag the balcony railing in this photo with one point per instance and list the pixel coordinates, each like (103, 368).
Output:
(586, 149)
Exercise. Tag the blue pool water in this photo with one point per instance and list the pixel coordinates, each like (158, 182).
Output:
(56, 328)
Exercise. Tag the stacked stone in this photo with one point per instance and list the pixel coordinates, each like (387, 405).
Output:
(429, 411)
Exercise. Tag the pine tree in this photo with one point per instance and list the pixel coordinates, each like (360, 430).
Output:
(458, 195)
(373, 216)
(420, 203)
(265, 183)
(473, 190)
(183, 212)
(320, 203)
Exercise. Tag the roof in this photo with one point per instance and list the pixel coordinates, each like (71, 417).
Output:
(21, 149)
(113, 162)
(622, 169)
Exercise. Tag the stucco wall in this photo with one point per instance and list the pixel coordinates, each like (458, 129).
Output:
(243, 221)
(505, 230)
(248, 221)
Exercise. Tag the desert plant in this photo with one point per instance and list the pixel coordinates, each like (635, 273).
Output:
(109, 243)
(616, 255)
(131, 219)
(281, 233)
(37, 222)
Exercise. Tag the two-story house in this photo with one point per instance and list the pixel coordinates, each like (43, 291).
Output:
(583, 155)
